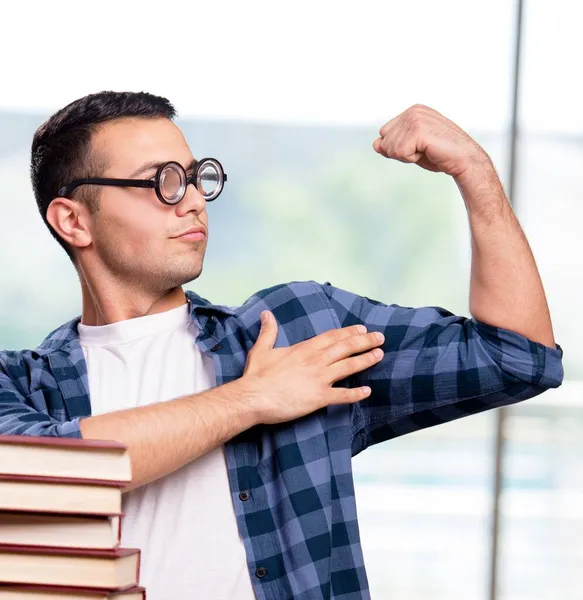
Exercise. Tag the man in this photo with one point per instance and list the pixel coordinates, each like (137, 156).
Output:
(241, 451)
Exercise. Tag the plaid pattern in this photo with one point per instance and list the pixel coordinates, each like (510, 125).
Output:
(298, 519)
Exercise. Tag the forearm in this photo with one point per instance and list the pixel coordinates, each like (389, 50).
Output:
(165, 436)
(505, 290)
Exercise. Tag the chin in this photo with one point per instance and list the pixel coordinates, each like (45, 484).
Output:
(190, 275)
(194, 275)
(170, 276)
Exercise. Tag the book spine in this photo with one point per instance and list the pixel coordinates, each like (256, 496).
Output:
(119, 526)
(138, 565)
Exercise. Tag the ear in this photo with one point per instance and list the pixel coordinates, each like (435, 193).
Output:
(70, 219)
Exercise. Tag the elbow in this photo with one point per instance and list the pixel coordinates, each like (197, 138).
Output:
(40, 428)
(520, 358)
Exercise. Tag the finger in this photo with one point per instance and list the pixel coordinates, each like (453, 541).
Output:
(267, 333)
(407, 157)
(328, 338)
(352, 345)
(391, 140)
(412, 114)
(388, 125)
(402, 145)
(348, 395)
(355, 364)
(402, 150)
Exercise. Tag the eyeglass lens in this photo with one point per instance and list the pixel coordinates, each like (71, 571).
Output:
(172, 181)
(208, 179)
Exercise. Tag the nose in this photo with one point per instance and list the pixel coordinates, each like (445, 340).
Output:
(193, 201)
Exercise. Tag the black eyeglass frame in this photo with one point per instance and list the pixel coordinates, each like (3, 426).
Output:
(154, 182)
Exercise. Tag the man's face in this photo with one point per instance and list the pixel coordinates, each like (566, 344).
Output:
(135, 237)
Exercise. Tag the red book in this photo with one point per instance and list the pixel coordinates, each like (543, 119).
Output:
(26, 493)
(107, 569)
(64, 457)
(53, 592)
(60, 530)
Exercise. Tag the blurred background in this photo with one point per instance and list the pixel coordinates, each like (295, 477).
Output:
(290, 98)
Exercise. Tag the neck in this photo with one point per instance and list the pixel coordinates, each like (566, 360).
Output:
(109, 302)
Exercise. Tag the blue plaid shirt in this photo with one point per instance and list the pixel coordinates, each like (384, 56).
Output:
(298, 515)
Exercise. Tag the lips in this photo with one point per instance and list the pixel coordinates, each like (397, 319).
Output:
(194, 233)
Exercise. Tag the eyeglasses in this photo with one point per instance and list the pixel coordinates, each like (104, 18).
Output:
(170, 181)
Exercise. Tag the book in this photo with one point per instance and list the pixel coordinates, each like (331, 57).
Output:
(60, 530)
(46, 592)
(59, 495)
(106, 569)
(64, 457)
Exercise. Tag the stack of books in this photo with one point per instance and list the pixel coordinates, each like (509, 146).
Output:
(60, 520)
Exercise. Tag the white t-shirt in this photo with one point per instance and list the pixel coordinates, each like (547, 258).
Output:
(184, 523)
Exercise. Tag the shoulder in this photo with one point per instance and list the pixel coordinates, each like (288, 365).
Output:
(301, 309)
(290, 300)
(284, 295)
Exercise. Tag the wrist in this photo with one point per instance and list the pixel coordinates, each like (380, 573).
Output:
(479, 170)
(246, 392)
(481, 188)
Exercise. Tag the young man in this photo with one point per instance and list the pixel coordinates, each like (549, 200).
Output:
(241, 451)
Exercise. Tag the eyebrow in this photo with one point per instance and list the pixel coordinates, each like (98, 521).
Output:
(154, 164)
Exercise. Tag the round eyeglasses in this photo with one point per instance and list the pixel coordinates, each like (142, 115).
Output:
(170, 181)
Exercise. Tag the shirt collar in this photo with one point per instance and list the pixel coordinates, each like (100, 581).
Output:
(197, 303)
(61, 338)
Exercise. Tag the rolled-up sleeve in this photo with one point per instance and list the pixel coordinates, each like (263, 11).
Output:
(438, 367)
(18, 417)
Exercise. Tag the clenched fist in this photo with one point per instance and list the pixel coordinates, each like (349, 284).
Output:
(422, 135)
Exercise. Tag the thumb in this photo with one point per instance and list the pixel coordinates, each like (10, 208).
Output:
(267, 333)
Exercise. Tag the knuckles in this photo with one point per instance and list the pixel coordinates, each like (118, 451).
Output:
(418, 108)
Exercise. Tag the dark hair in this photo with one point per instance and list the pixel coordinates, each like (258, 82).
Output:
(61, 147)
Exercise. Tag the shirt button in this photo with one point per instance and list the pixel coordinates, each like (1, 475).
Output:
(261, 572)
(244, 496)
(217, 347)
